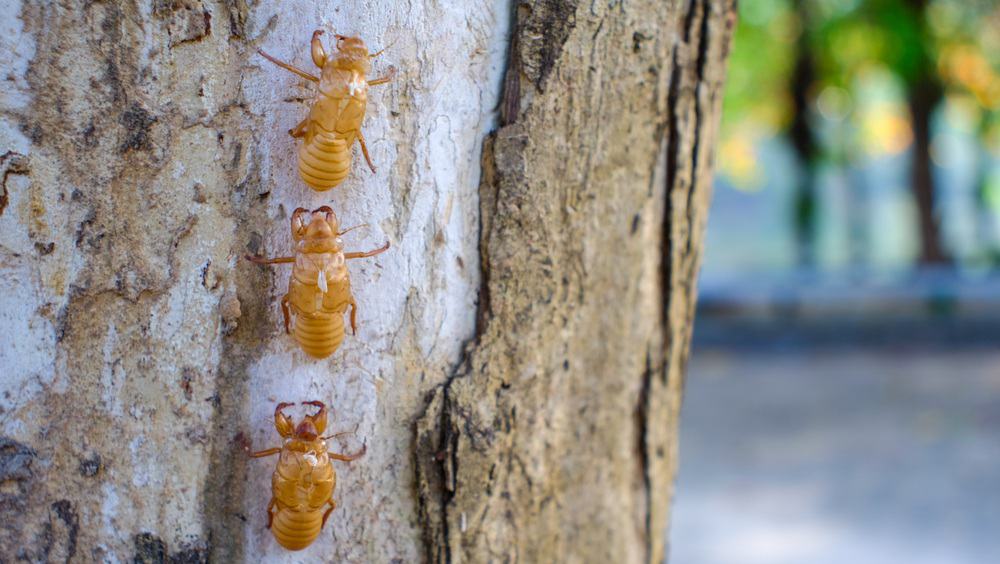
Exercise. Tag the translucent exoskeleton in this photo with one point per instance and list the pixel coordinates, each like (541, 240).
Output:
(304, 480)
(334, 120)
(319, 290)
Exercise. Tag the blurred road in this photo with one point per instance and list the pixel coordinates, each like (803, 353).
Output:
(839, 455)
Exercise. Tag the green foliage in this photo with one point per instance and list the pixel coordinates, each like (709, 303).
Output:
(846, 37)
(761, 63)
(884, 32)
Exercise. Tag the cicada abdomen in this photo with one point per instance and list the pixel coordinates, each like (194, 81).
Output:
(318, 297)
(302, 487)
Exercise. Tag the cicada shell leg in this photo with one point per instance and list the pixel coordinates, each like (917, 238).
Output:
(266, 452)
(262, 260)
(270, 512)
(282, 422)
(286, 314)
(364, 151)
(349, 457)
(318, 418)
(354, 316)
(333, 506)
(316, 49)
(288, 67)
(299, 130)
(367, 254)
(384, 79)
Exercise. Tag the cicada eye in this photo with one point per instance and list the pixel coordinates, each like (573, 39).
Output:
(298, 225)
(329, 216)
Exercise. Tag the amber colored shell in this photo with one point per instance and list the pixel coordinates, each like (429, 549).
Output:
(302, 485)
(303, 481)
(335, 116)
(319, 291)
(318, 316)
(332, 128)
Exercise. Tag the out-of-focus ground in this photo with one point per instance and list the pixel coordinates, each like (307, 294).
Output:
(856, 444)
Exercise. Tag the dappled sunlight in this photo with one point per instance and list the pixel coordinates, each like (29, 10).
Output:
(885, 130)
(967, 66)
(738, 160)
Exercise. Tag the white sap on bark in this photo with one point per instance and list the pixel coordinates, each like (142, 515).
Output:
(26, 362)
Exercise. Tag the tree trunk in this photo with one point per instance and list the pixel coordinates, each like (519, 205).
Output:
(144, 152)
(803, 140)
(923, 97)
(924, 94)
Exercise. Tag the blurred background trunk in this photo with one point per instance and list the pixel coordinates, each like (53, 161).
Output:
(803, 141)
(924, 95)
(517, 389)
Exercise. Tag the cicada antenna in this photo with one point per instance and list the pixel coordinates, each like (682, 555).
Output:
(349, 229)
(383, 50)
(343, 433)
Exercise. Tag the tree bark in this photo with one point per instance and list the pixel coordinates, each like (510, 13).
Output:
(555, 440)
(518, 367)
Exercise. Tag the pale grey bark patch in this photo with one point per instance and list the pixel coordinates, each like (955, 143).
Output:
(146, 154)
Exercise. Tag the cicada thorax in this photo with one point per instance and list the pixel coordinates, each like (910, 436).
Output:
(319, 294)
(332, 128)
(302, 487)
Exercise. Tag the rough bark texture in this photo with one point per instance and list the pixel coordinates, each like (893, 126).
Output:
(555, 440)
(143, 152)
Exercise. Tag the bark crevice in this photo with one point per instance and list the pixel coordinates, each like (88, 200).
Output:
(10, 163)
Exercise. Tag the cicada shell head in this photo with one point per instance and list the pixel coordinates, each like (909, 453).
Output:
(352, 54)
(299, 223)
(282, 422)
(319, 235)
(318, 419)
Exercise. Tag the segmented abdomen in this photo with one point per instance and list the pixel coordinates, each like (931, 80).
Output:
(325, 160)
(319, 334)
(296, 530)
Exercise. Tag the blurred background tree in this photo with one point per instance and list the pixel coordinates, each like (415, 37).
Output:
(868, 134)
